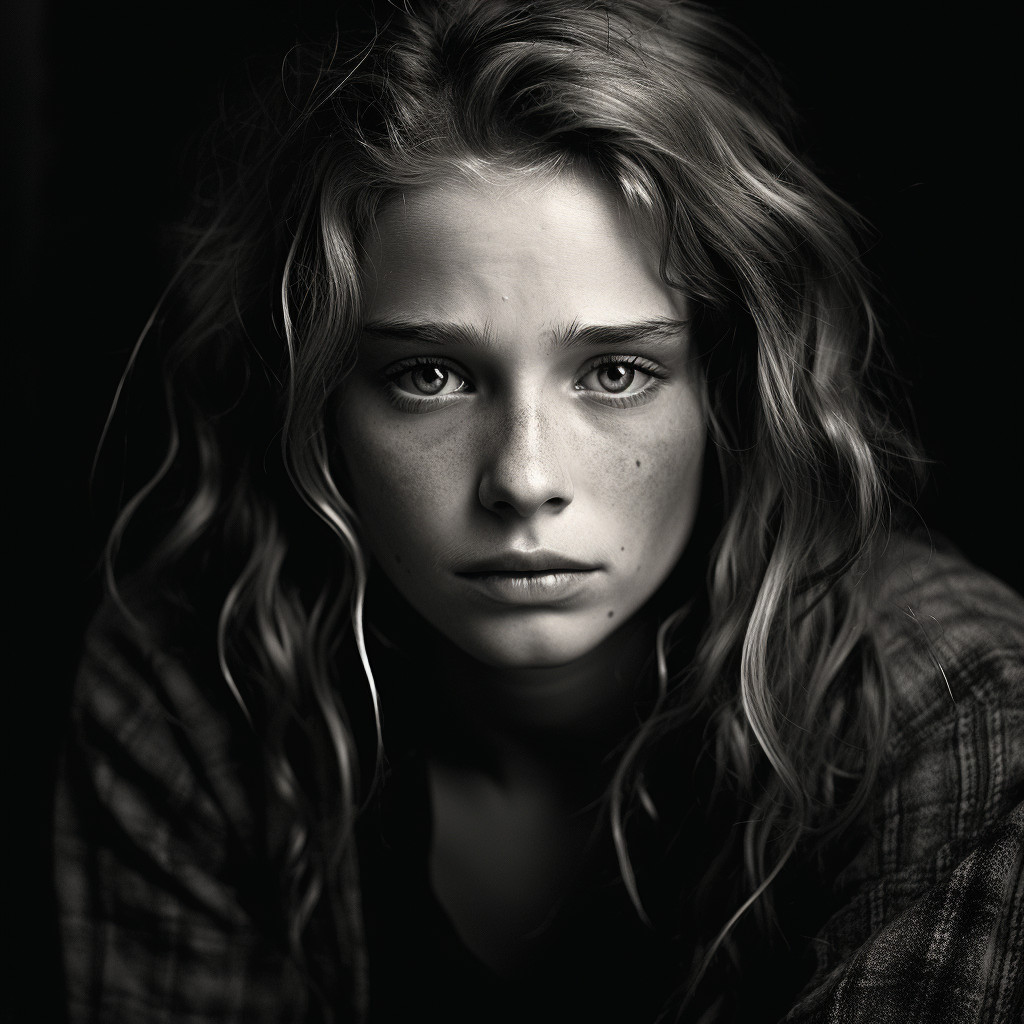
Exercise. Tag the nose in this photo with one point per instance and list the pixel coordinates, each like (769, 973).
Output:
(525, 470)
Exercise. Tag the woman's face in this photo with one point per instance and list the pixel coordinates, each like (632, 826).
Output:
(524, 432)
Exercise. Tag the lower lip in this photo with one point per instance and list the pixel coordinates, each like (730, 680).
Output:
(530, 587)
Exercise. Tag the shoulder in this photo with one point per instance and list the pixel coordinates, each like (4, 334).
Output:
(951, 639)
(933, 879)
(948, 634)
(148, 721)
(140, 665)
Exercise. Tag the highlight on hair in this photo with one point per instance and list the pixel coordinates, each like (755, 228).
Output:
(687, 124)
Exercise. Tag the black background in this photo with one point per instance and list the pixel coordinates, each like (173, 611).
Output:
(909, 114)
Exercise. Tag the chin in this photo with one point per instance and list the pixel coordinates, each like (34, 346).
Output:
(529, 646)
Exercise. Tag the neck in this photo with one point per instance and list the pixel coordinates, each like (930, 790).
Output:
(514, 721)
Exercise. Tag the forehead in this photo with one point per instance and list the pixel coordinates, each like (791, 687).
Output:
(516, 246)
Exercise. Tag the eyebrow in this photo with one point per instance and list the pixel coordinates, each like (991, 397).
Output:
(659, 330)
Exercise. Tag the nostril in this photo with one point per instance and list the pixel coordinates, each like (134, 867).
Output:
(525, 505)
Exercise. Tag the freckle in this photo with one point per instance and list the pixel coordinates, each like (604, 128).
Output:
(622, 549)
(611, 615)
(637, 463)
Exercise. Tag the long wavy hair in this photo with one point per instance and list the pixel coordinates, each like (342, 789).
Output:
(689, 126)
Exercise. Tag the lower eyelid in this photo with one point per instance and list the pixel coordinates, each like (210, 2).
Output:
(625, 401)
(409, 403)
(417, 403)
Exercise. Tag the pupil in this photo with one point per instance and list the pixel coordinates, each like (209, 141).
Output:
(431, 379)
(619, 377)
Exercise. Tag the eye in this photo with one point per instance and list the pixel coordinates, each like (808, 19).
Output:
(427, 379)
(618, 376)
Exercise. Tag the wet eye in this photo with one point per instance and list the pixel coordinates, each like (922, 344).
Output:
(622, 377)
(428, 380)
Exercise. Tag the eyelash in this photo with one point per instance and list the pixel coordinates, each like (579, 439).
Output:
(411, 403)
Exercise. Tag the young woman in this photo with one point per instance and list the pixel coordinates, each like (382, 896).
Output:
(519, 624)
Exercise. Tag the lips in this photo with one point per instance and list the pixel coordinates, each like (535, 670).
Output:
(529, 578)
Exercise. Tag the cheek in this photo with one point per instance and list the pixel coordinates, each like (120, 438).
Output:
(650, 480)
(399, 485)
(670, 476)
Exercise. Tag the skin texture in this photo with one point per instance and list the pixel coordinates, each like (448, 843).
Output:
(524, 447)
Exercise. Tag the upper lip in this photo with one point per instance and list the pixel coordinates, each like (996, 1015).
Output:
(527, 561)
